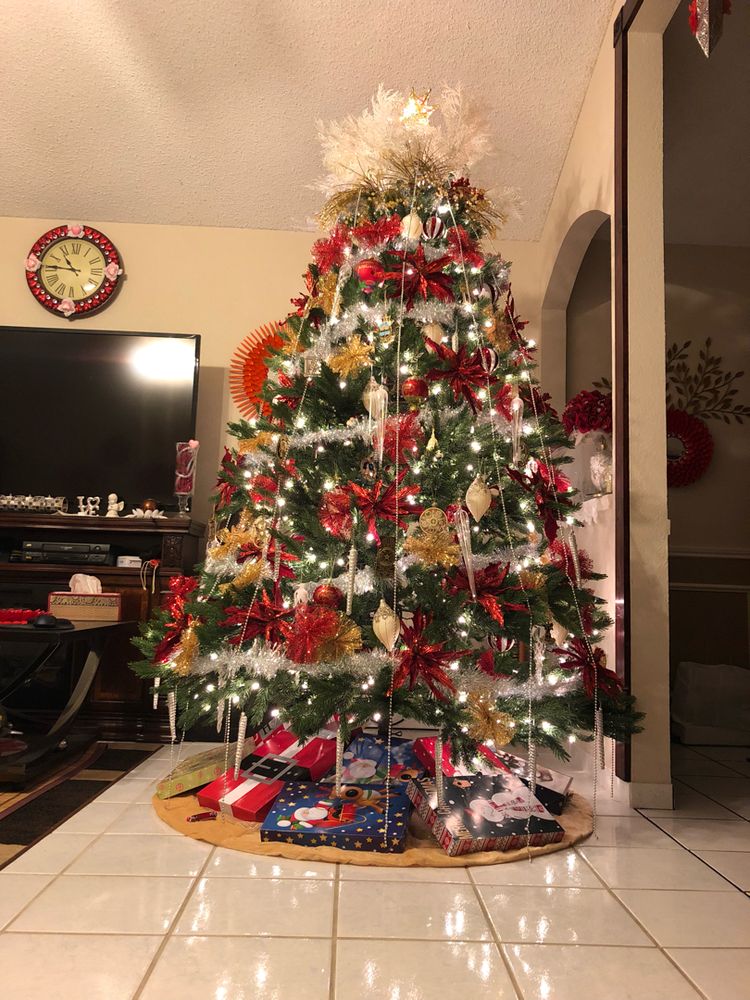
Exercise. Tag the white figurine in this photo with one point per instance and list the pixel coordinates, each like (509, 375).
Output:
(114, 506)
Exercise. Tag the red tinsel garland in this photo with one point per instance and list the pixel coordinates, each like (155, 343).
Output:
(312, 626)
(372, 234)
(180, 588)
(463, 249)
(329, 253)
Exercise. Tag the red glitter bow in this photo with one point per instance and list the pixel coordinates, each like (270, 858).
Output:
(423, 660)
(311, 627)
(180, 588)
(592, 666)
(464, 373)
(329, 253)
(489, 584)
(335, 512)
(264, 617)
(389, 504)
(462, 248)
(410, 437)
(421, 276)
(372, 234)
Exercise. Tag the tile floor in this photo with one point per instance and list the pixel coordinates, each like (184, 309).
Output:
(115, 906)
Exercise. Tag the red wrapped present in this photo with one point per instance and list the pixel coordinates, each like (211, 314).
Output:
(279, 758)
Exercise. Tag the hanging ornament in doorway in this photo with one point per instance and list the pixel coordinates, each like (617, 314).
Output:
(706, 19)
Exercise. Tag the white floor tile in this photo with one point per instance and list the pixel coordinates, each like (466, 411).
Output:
(564, 869)
(697, 764)
(732, 792)
(725, 753)
(691, 804)
(629, 831)
(51, 854)
(734, 865)
(708, 834)
(72, 966)
(691, 919)
(104, 904)
(420, 970)
(361, 873)
(240, 968)
(141, 818)
(560, 916)
(16, 891)
(721, 973)
(237, 864)
(93, 818)
(741, 767)
(154, 768)
(266, 907)
(141, 854)
(562, 972)
(127, 790)
(652, 868)
(415, 910)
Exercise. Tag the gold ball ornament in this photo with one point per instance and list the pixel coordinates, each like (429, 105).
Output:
(386, 625)
(433, 519)
(487, 724)
(478, 498)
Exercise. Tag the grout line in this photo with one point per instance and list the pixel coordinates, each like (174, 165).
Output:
(334, 936)
(495, 936)
(721, 819)
(173, 923)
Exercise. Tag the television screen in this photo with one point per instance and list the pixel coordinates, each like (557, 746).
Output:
(91, 413)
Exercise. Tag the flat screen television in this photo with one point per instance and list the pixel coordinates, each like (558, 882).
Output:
(87, 412)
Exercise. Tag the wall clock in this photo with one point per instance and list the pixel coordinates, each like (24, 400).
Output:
(73, 270)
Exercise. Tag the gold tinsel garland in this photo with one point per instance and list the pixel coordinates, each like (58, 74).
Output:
(487, 724)
(352, 358)
(263, 439)
(249, 573)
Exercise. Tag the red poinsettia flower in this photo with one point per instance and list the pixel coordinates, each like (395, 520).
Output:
(389, 504)
(335, 512)
(264, 618)
(561, 558)
(372, 234)
(464, 373)
(329, 253)
(491, 589)
(463, 249)
(410, 437)
(424, 661)
(591, 663)
(421, 276)
(225, 490)
(546, 485)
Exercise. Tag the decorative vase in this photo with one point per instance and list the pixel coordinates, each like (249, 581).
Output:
(600, 464)
(184, 476)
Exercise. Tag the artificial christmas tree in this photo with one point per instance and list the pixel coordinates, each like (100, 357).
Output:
(396, 534)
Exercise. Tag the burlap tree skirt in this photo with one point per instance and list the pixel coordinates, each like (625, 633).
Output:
(422, 850)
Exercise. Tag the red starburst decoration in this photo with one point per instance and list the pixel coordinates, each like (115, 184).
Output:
(305, 634)
(591, 663)
(421, 277)
(389, 504)
(335, 512)
(329, 253)
(180, 589)
(424, 661)
(410, 436)
(491, 590)
(464, 372)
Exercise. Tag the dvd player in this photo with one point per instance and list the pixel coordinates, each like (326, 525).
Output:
(82, 548)
(79, 558)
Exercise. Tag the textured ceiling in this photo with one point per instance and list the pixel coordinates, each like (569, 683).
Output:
(202, 112)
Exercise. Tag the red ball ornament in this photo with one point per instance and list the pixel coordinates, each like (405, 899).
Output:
(434, 227)
(488, 359)
(500, 643)
(370, 272)
(414, 388)
(327, 596)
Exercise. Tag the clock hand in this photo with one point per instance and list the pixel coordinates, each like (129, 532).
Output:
(60, 267)
(67, 259)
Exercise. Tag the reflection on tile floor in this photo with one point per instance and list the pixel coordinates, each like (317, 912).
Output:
(651, 907)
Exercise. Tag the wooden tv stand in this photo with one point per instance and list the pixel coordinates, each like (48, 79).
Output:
(119, 704)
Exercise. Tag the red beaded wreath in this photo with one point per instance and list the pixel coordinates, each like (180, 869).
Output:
(697, 447)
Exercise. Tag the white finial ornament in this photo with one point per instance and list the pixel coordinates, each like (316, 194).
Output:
(478, 498)
(386, 625)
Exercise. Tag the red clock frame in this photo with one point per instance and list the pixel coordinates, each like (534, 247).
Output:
(81, 307)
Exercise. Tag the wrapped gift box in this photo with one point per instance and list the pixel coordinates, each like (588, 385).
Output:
(552, 787)
(310, 814)
(366, 758)
(484, 812)
(277, 759)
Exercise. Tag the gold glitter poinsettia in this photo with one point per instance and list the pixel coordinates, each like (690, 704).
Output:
(347, 639)
(263, 439)
(352, 358)
(434, 549)
(249, 573)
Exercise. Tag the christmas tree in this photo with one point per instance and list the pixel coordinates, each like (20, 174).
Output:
(395, 533)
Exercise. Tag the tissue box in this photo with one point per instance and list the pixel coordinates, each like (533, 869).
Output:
(276, 760)
(365, 761)
(485, 812)
(310, 814)
(85, 607)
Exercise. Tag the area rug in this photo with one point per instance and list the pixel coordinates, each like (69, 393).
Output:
(422, 850)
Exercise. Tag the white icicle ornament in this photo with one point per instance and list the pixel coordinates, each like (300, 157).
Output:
(433, 332)
(411, 227)
(386, 625)
(478, 498)
(375, 399)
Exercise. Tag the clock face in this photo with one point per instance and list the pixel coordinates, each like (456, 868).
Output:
(73, 270)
